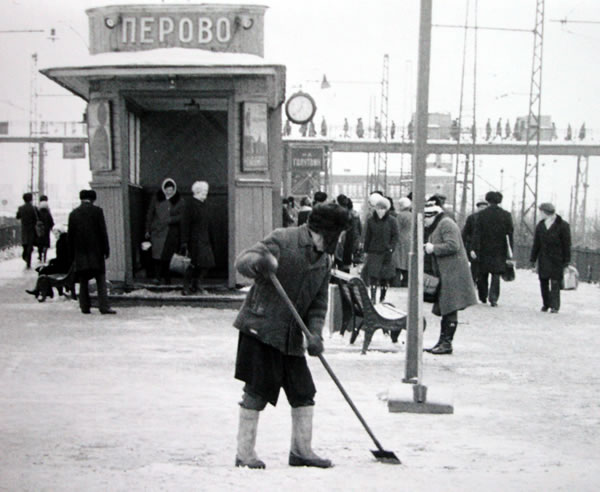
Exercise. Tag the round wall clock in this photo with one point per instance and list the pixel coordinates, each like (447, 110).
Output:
(300, 108)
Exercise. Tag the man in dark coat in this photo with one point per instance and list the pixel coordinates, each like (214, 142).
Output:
(27, 214)
(467, 236)
(88, 242)
(196, 238)
(552, 250)
(493, 228)
(271, 353)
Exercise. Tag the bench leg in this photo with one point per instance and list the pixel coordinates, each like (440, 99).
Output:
(367, 341)
(355, 331)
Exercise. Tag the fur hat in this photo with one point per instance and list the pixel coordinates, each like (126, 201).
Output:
(494, 197)
(87, 195)
(404, 203)
(43, 198)
(547, 207)
(328, 217)
(432, 208)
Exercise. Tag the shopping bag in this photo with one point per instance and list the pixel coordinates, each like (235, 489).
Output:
(179, 264)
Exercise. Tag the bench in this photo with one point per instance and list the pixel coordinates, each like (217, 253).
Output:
(359, 311)
(58, 281)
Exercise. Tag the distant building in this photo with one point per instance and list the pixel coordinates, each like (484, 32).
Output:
(438, 126)
(546, 130)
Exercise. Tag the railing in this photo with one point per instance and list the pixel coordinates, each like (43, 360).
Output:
(587, 261)
(10, 235)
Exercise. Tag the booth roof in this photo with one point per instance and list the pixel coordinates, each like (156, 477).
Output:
(163, 61)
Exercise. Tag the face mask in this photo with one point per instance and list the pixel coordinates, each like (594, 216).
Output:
(380, 212)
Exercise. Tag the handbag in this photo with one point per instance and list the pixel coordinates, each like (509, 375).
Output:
(179, 264)
(570, 278)
(509, 272)
(431, 285)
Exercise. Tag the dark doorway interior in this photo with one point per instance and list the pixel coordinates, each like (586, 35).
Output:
(189, 146)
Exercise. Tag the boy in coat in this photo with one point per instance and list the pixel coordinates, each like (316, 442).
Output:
(88, 242)
(271, 352)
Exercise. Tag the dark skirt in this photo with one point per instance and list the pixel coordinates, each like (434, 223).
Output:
(265, 370)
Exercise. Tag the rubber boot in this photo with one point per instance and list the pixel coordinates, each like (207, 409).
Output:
(301, 453)
(246, 440)
(382, 294)
(373, 294)
(443, 328)
(445, 348)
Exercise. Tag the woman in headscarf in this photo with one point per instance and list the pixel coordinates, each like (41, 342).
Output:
(163, 224)
(446, 258)
(196, 238)
(381, 237)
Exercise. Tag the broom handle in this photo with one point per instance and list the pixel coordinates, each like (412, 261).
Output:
(337, 382)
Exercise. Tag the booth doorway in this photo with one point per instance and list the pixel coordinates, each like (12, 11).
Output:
(184, 139)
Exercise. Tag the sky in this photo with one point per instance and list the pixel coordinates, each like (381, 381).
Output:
(346, 41)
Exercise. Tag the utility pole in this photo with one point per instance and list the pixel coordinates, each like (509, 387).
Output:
(33, 122)
(532, 130)
(382, 156)
(579, 207)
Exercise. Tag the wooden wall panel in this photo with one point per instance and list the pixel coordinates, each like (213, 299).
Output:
(110, 199)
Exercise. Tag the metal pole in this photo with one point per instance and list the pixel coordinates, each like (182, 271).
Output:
(41, 170)
(414, 340)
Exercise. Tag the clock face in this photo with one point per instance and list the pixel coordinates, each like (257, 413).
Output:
(300, 108)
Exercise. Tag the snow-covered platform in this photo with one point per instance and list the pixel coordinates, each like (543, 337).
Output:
(146, 400)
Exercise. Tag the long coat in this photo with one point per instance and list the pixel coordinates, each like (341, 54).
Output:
(552, 248)
(163, 222)
(88, 239)
(492, 226)
(303, 274)
(27, 214)
(404, 220)
(195, 233)
(46, 217)
(456, 284)
(381, 238)
(468, 232)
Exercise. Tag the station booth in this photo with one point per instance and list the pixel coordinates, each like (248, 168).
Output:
(181, 92)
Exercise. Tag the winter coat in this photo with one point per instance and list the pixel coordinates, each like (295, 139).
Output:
(303, 214)
(195, 233)
(303, 273)
(27, 214)
(492, 226)
(552, 248)
(381, 238)
(45, 216)
(63, 260)
(163, 224)
(456, 284)
(468, 232)
(404, 220)
(88, 239)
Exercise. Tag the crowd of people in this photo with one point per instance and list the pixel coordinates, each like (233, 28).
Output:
(318, 235)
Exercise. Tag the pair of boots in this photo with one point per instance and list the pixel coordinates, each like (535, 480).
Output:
(444, 344)
(382, 294)
(301, 453)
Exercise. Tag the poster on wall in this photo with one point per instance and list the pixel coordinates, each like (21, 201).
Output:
(99, 135)
(73, 150)
(254, 138)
